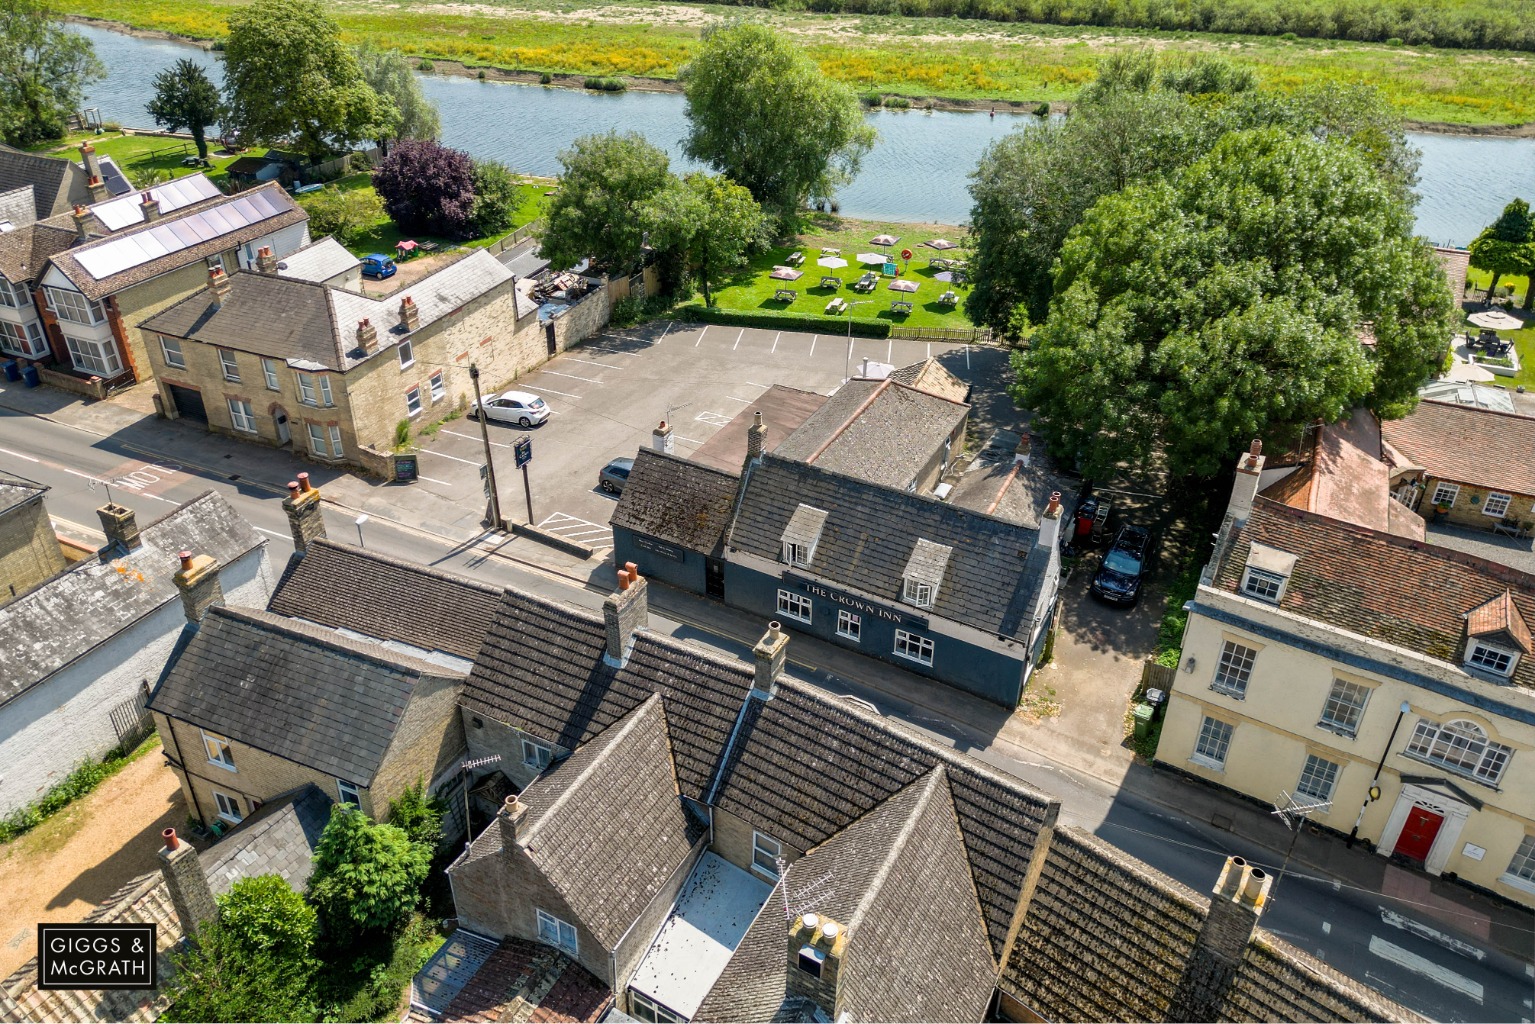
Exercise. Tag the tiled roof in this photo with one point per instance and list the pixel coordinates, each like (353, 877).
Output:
(1279, 982)
(1500, 615)
(1467, 445)
(56, 182)
(1455, 262)
(605, 826)
(348, 588)
(871, 531)
(1399, 591)
(526, 981)
(300, 692)
(318, 261)
(1345, 477)
(676, 500)
(25, 252)
(783, 410)
(279, 839)
(878, 431)
(92, 601)
(933, 378)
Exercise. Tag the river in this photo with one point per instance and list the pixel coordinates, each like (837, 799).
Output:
(916, 172)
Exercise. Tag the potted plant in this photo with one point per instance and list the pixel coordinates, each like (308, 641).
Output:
(1441, 512)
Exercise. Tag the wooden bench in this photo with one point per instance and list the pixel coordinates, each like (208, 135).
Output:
(836, 306)
(900, 306)
(785, 295)
(834, 283)
(831, 252)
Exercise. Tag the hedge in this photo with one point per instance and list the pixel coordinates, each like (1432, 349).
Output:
(864, 327)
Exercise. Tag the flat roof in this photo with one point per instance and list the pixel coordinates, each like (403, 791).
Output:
(783, 410)
(706, 924)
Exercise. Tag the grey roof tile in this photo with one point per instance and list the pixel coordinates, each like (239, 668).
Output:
(279, 839)
(676, 500)
(25, 252)
(57, 183)
(879, 431)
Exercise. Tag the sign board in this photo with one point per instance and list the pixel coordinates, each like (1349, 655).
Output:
(522, 448)
(405, 468)
(96, 956)
(659, 547)
(859, 605)
(484, 471)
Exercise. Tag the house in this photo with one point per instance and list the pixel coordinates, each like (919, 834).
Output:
(325, 261)
(1384, 682)
(79, 650)
(29, 549)
(270, 356)
(1473, 463)
(59, 185)
(24, 253)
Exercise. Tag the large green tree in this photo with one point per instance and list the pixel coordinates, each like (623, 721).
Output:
(761, 112)
(1197, 311)
(186, 98)
(606, 182)
(404, 112)
(708, 223)
(1507, 246)
(367, 877)
(286, 73)
(44, 71)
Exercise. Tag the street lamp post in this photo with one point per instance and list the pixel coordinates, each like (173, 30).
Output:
(360, 520)
(496, 522)
(847, 365)
(1374, 791)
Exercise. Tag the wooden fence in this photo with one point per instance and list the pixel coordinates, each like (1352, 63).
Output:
(1157, 677)
(964, 335)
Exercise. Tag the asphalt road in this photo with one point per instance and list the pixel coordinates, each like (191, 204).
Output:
(1390, 945)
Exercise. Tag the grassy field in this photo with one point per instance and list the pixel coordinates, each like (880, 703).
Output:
(141, 155)
(1524, 341)
(384, 235)
(947, 58)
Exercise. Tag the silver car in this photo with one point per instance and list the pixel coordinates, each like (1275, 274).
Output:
(517, 407)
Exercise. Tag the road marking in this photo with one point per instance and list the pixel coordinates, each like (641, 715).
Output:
(588, 362)
(756, 385)
(775, 343)
(589, 380)
(1423, 931)
(738, 340)
(813, 337)
(581, 530)
(549, 391)
(445, 455)
(890, 352)
(743, 401)
(930, 350)
(1425, 968)
(689, 440)
(700, 340)
(714, 419)
(433, 480)
(274, 533)
(663, 333)
(471, 437)
(18, 455)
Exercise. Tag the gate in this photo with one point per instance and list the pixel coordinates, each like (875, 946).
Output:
(131, 721)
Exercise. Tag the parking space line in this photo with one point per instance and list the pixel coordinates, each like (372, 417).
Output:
(813, 337)
(589, 380)
(476, 440)
(733, 398)
(890, 352)
(738, 340)
(444, 455)
(756, 385)
(775, 342)
(700, 340)
(664, 332)
(588, 362)
(433, 480)
(548, 391)
(689, 440)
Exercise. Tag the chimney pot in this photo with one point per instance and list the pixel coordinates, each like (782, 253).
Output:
(121, 527)
(367, 335)
(1053, 510)
(198, 581)
(305, 520)
(410, 313)
(186, 560)
(513, 810)
(623, 579)
(292, 488)
(266, 263)
(303, 482)
(150, 206)
(661, 439)
(171, 842)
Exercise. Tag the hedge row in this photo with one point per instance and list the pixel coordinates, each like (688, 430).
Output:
(864, 327)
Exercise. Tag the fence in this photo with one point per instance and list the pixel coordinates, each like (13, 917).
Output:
(517, 237)
(1157, 677)
(966, 335)
(132, 721)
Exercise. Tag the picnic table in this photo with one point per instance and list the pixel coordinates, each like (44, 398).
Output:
(836, 306)
(831, 252)
(948, 299)
(785, 295)
(428, 246)
(900, 306)
(834, 283)
(866, 283)
(794, 259)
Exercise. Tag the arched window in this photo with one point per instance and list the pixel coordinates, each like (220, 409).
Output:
(1460, 746)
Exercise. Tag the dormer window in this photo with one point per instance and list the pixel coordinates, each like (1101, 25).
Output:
(796, 554)
(918, 593)
(801, 536)
(1496, 635)
(1489, 658)
(923, 576)
(1267, 573)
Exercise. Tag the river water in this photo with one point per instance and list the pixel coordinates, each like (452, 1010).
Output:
(916, 172)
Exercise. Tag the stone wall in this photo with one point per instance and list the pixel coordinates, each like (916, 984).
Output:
(29, 551)
(632, 947)
(90, 387)
(490, 737)
(1467, 510)
(733, 841)
(427, 742)
(588, 316)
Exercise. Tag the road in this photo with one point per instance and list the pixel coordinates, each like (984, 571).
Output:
(1388, 944)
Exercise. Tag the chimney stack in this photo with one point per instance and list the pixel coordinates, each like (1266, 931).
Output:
(89, 161)
(190, 893)
(625, 610)
(1245, 490)
(410, 314)
(266, 263)
(97, 188)
(198, 581)
(367, 336)
(84, 219)
(150, 206)
(816, 948)
(1021, 454)
(1050, 522)
(661, 438)
(770, 654)
(512, 811)
(756, 438)
(218, 286)
(304, 516)
(1235, 905)
(121, 526)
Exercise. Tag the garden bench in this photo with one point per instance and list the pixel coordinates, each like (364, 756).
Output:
(834, 283)
(901, 307)
(785, 295)
(836, 306)
(948, 299)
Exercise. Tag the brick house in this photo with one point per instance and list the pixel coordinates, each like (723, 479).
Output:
(1474, 463)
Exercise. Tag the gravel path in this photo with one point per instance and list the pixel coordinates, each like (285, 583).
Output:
(75, 860)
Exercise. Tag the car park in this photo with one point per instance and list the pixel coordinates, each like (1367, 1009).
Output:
(517, 407)
(614, 475)
(1119, 575)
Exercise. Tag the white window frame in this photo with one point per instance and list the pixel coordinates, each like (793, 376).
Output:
(1264, 584)
(1341, 696)
(413, 404)
(407, 354)
(269, 372)
(25, 340)
(437, 387)
(70, 305)
(795, 553)
(1317, 767)
(306, 389)
(218, 750)
(644, 1008)
(16, 296)
(1481, 760)
(230, 365)
(1503, 500)
(241, 415)
(90, 356)
(336, 451)
(170, 351)
(536, 755)
(222, 799)
(1234, 670)
(917, 593)
(1446, 494)
(1491, 659)
(559, 934)
(1521, 866)
(849, 625)
(347, 793)
(1213, 733)
(766, 852)
(914, 647)
(317, 440)
(795, 606)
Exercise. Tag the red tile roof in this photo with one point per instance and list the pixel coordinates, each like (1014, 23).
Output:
(1500, 615)
(1480, 447)
(506, 987)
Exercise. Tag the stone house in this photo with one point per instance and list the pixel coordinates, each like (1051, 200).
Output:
(1474, 463)
(29, 549)
(286, 361)
(57, 184)
(79, 651)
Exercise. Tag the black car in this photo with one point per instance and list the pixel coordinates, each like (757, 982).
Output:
(1118, 579)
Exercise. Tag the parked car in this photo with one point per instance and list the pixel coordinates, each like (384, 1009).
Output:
(378, 265)
(614, 475)
(517, 407)
(1118, 579)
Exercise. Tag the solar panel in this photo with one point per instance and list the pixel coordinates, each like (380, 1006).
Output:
(119, 254)
(124, 211)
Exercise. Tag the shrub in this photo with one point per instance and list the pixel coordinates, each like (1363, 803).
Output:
(481, 75)
(1042, 110)
(545, 78)
(606, 84)
(419, 816)
(898, 103)
(1290, 37)
(495, 199)
(627, 311)
(785, 321)
(871, 99)
(426, 65)
(402, 433)
(427, 187)
(367, 877)
(342, 212)
(1394, 41)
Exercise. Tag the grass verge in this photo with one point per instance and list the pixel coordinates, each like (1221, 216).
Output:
(383, 234)
(78, 783)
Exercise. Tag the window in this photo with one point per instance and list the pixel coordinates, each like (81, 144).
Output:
(1264, 585)
(335, 442)
(1521, 870)
(917, 648)
(556, 932)
(919, 594)
(306, 393)
(794, 606)
(218, 751)
(241, 416)
(536, 755)
(229, 807)
(438, 388)
(765, 854)
(170, 348)
(413, 401)
(74, 307)
(1445, 494)
(14, 295)
(1496, 505)
(230, 364)
(1344, 707)
(98, 357)
(1214, 740)
(1461, 747)
(1317, 778)
(317, 441)
(269, 371)
(347, 793)
(23, 339)
(407, 354)
(642, 1007)
(849, 625)
(796, 554)
(1492, 659)
(1235, 669)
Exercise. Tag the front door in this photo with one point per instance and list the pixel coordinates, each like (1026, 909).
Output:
(714, 578)
(549, 338)
(284, 434)
(1418, 834)
(189, 403)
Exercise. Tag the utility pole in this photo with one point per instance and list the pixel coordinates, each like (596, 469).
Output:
(496, 522)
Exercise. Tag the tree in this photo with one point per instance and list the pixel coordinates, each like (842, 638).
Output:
(1223, 302)
(496, 198)
(404, 110)
(605, 183)
(367, 877)
(287, 74)
(427, 187)
(44, 71)
(253, 962)
(419, 816)
(763, 114)
(708, 222)
(186, 98)
(342, 212)
(1507, 246)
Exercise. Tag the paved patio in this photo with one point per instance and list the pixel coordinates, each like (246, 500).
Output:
(1516, 552)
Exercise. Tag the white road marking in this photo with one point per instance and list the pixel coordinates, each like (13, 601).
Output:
(549, 391)
(663, 333)
(714, 419)
(432, 480)
(813, 337)
(1423, 931)
(930, 350)
(1425, 968)
(775, 342)
(700, 340)
(18, 455)
(689, 440)
(738, 340)
(445, 455)
(743, 401)
(274, 533)
(589, 362)
(589, 380)
(890, 351)
(573, 528)
(476, 440)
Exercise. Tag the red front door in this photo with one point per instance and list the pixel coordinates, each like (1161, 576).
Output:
(1418, 833)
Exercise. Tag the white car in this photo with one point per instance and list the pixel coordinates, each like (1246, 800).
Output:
(517, 407)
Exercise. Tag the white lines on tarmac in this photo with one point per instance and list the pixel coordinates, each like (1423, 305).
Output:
(7, 451)
(557, 373)
(445, 455)
(689, 440)
(700, 340)
(282, 536)
(476, 440)
(738, 340)
(581, 530)
(890, 351)
(756, 385)
(590, 362)
(743, 401)
(813, 337)
(432, 480)
(550, 391)
(775, 342)
(1425, 968)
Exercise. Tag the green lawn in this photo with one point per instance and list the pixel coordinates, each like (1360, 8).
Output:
(1524, 341)
(138, 155)
(384, 234)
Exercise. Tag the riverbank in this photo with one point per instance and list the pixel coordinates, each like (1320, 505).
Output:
(954, 64)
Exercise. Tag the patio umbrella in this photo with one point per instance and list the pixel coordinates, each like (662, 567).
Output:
(1496, 320)
(944, 275)
(786, 274)
(941, 244)
(903, 286)
(871, 257)
(883, 240)
(834, 262)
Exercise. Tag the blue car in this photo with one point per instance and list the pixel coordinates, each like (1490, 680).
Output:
(378, 265)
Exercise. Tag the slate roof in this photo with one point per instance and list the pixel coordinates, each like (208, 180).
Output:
(345, 587)
(26, 251)
(1399, 591)
(16, 209)
(16, 493)
(871, 531)
(878, 431)
(57, 182)
(783, 410)
(933, 378)
(279, 839)
(318, 261)
(298, 691)
(677, 500)
(1479, 447)
(91, 601)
